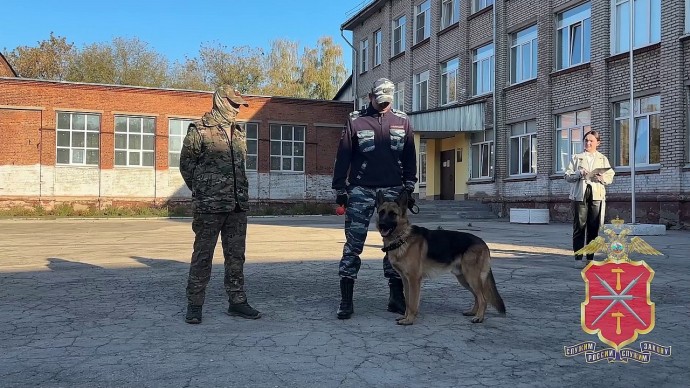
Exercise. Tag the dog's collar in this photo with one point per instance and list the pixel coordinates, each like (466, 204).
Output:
(395, 245)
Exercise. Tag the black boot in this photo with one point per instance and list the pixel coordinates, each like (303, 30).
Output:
(346, 308)
(193, 315)
(396, 301)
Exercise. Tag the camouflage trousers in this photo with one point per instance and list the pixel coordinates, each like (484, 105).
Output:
(232, 228)
(360, 208)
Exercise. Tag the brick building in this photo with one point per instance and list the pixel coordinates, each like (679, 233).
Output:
(552, 69)
(107, 144)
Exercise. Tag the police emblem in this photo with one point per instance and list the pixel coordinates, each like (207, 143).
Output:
(617, 306)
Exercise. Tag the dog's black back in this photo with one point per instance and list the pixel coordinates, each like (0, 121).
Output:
(445, 245)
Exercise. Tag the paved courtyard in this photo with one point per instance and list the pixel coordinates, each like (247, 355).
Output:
(100, 303)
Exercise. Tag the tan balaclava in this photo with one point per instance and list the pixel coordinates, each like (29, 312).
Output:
(226, 105)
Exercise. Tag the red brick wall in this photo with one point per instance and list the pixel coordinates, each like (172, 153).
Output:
(5, 69)
(20, 128)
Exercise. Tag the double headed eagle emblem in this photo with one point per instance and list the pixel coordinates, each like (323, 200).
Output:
(617, 247)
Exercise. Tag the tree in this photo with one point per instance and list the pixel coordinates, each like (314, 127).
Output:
(323, 69)
(190, 75)
(137, 65)
(239, 67)
(48, 60)
(95, 63)
(284, 70)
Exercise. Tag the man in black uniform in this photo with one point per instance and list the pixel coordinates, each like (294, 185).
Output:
(377, 147)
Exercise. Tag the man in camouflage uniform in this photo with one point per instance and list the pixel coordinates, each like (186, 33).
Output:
(212, 163)
(377, 148)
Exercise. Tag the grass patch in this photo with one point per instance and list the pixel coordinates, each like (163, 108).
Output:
(66, 210)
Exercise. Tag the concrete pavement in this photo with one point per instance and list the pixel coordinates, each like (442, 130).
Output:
(100, 303)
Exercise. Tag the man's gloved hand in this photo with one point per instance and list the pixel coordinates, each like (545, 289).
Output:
(341, 199)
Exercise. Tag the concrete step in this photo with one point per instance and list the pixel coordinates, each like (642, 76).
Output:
(449, 210)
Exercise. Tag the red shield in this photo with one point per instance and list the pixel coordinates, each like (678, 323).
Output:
(617, 303)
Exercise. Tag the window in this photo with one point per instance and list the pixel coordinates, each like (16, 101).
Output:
(422, 163)
(478, 5)
(482, 153)
(647, 29)
(574, 33)
(483, 70)
(177, 130)
(377, 47)
(570, 129)
(647, 131)
(287, 147)
(364, 55)
(523, 55)
(420, 93)
(399, 97)
(251, 131)
(523, 148)
(422, 21)
(398, 41)
(363, 102)
(449, 81)
(78, 139)
(134, 140)
(450, 12)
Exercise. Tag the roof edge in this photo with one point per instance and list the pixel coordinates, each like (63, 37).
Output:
(8, 64)
(362, 14)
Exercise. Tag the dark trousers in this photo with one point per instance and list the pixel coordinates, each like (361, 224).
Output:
(232, 228)
(586, 221)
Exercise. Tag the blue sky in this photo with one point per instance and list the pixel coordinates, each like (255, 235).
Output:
(176, 28)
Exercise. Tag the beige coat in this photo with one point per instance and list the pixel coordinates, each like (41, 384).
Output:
(578, 183)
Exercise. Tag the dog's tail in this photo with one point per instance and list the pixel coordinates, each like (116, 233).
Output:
(492, 295)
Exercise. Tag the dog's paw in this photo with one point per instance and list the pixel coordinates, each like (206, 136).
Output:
(469, 313)
(400, 318)
(477, 319)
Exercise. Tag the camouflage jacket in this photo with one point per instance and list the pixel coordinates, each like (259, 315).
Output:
(215, 174)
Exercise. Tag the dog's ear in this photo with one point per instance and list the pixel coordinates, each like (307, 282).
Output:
(380, 199)
(402, 200)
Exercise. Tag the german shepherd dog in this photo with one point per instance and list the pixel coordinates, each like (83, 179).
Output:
(416, 252)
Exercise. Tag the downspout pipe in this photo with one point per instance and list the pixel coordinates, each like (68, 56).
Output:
(354, 70)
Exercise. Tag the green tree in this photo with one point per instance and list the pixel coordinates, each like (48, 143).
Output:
(284, 70)
(95, 63)
(190, 75)
(48, 60)
(136, 64)
(240, 67)
(323, 69)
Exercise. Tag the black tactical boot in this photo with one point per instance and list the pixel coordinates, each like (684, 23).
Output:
(396, 301)
(193, 314)
(346, 308)
(243, 310)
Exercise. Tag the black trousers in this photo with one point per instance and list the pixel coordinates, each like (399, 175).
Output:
(586, 221)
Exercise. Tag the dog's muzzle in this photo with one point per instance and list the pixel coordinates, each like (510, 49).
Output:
(386, 228)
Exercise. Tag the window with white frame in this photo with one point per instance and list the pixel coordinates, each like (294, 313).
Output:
(523, 148)
(483, 70)
(287, 147)
(647, 28)
(647, 131)
(450, 12)
(177, 130)
(377, 47)
(449, 81)
(422, 21)
(364, 55)
(251, 131)
(399, 97)
(422, 163)
(523, 55)
(570, 129)
(478, 5)
(420, 92)
(363, 102)
(78, 138)
(134, 141)
(398, 36)
(574, 30)
(482, 154)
